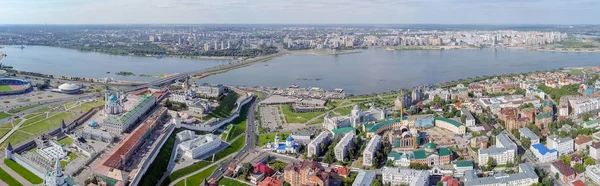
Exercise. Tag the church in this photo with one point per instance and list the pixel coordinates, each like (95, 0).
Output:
(289, 146)
(356, 118)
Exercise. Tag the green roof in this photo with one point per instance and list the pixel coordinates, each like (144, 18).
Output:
(444, 152)
(384, 123)
(394, 155)
(591, 122)
(369, 125)
(430, 145)
(464, 163)
(455, 123)
(543, 115)
(343, 130)
(420, 154)
(123, 118)
(396, 142)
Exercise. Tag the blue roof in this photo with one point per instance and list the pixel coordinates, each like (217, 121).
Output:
(281, 147)
(93, 124)
(542, 149)
(289, 138)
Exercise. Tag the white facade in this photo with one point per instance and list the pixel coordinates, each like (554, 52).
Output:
(504, 152)
(595, 150)
(53, 151)
(562, 145)
(194, 146)
(314, 147)
(543, 154)
(469, 119)
(95, 134)
(341, 149)
(525, 177)
(371, 150)
(526, 132)
(398, 176)
(118, 124)
(582, 105)
(356, 118)
(592, 172)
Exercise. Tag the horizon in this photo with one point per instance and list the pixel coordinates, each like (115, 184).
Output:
(460, 12)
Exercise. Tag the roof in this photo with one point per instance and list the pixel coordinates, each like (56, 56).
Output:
(364, 178)
(420, 154)
(526, 172)
(444, 151)
(581, 139)
(505, 141)
(343, 130)
(269, 181)
(464, 163)
(563, 169)
(526, 132)
(123, 118)
(388, 121)
(542, 149)
(591, 122)
(578, 183)
(595, 145)
(394, 154)
(373, 143)
(455, 123)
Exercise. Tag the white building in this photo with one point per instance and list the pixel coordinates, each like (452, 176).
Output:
(504, 152)
(562, 145)
(356, 118)
(525, 177)
(371, 150)
(580, 105)
(53, 151)
(55, 177)
(341, 149)
(96, 134)
(289, 146)
(211, 91)
(118, 122)
(592, 172)
(398, 176)
(470, 120)
(314, 147)
(525, 132)
(194, 146)
(595, 150)
(543, 154)
(364, 178)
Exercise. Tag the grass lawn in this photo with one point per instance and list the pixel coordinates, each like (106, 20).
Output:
(344, 111)
(233, 147)
(63, 164)
(72, 156)
(16, 138)
(5, 88)
(239, 123)
(264, 138)
(160, 164)
(3, 132)
(225, 108)
(70, 105)
(4, 115)
(31, 120)
(230, 182)
(185, 171)
(6, 178)
(298, 117)
(197, 178)
(47, 124)
(87, 106)
(42, 110)
(29, 176)
(66, 141)
(17, 110)
(258, 94)
(317, 121)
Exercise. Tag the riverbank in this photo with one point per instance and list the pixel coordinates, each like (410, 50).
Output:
(324, 52)
(552, 49)
(429, 47)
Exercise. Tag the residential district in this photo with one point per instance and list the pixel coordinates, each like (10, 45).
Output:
(537, 128)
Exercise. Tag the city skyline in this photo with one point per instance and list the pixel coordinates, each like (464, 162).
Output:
(300, 12)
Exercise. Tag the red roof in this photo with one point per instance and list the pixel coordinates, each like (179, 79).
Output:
(270, 182)
(450, 181)
(342, 171)
(263, 168)
(563, 169)
(578, 183)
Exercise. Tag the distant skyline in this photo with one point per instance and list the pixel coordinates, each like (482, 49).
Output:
(299, 11)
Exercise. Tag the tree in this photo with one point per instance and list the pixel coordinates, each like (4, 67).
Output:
(377, 182)
(375, 163)
(389, 163)
(579, 167)
(168, 103)
(525, 142)
(589, 161)
(516, 133)
(246, 169)
(285, 183)
(556, 176)
(440, 183)
(490, 163)
(565, 159)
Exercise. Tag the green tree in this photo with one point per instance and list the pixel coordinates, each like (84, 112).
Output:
(565, 159)
(579, 167)
(389, 163)
(589, 161)
(525, 142)
(516, 133)
(440, 183)
(490, 163)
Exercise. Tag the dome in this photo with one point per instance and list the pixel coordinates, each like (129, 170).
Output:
(68, 87)
(430, 146)
(289, 139)
(113, 98)
(356, 107)
(93, 124)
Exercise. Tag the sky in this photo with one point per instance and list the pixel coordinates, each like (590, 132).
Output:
(299, 11)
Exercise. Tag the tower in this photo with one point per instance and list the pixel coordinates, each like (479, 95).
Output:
(276, 139)
(8, 154)
(56, 176)
(177, 119)
(63, 127)
(399, 102)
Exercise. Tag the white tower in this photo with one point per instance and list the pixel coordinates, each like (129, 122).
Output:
(8, 153)
(56, 177)
(177, 119)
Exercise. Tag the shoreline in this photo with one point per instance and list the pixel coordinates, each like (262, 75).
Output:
(563, 50)
(402, 48)
(324, 52)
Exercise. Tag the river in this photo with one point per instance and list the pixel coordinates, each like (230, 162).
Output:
(378, 70)
(68, 62)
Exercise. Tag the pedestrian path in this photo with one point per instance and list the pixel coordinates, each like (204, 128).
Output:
(14, 174)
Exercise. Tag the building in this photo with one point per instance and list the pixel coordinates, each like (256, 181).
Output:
(399, 159)
(289, 146)
(525, 176)
(56, 177)
(364, 178)
(565, 172)
(356, 118)
(314, 147)
(509, 101)
(270, 181)
(257, 177)
(96, 134)
(195, 146)
(305, 173)
(398, 176)
(462, 166)
(582, 142)
(450, 125)
(595, 150)
(562, 145)
(69, 88)
(118, 120)
(526, 133)
(210, 91)
(431, 155)
(470, 120)
(543, 154)
(592, 172)
(405, 138)
(341, 149)
(450, 181)
(504, 152)
(417, 94)
(371, 150)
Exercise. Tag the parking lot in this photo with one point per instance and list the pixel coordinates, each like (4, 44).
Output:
(270, 118)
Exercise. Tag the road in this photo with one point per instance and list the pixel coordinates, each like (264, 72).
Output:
(44, 104)
(251, 136)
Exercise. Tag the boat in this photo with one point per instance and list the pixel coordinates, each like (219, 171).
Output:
(159, 56)
(294, 86)
(21, 47)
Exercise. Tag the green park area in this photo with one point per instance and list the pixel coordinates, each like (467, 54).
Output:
(269, 137)
(185, 171)
(8, 179)
(84, 107)
(197, 179)
(16, 138)
(230, 182)
(21, 109)
(160, 164)
(66, 141)
(573, 43)
(225, 108)
(298, 117)
(556, 93)
(4, 115)
(239, 123)
(4, 88)
(235, 146)
(37, 125)
(28, 175)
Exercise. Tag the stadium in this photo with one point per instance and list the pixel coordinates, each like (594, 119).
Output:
(9, 86)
